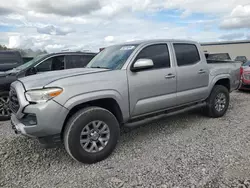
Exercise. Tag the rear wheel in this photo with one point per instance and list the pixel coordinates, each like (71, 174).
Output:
(218, 102)
(91, 135)
(4, 106)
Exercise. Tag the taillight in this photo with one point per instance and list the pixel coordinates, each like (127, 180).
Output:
(241, 71)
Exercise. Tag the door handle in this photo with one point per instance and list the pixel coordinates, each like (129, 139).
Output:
(169, 76)
(202, 71)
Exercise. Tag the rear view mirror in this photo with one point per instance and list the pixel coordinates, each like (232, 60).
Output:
(142, 64)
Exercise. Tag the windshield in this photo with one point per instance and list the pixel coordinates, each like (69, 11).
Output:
(246, 64)
(113, 57)
(25, 65)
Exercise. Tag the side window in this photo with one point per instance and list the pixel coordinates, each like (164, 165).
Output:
(44, 66)
(51, 64)
(186, 54)
(77, 61)
(158, 53)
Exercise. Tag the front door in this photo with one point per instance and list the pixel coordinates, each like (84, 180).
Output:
(153, 89)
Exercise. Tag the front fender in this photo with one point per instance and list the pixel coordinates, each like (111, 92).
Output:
(91, 96)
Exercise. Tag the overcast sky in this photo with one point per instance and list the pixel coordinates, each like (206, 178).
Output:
(90, 24)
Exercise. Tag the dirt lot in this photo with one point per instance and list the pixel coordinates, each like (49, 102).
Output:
(186, 150)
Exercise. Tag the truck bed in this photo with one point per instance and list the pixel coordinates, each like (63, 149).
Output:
(229, 67)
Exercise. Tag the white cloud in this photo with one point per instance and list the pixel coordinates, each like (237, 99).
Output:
(239, 18)
(54, 47)
(232, 36)
(53, 30)
(90, 24)
(14, 42)
(109, 38)
(186, 13)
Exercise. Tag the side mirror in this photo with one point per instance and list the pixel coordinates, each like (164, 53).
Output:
(142, 64)
(31, 71)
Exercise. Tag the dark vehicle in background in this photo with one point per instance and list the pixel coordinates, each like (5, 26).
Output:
(218, 56)
(40, 64)
(245, 76)
(242, 59)
(26, 59)
(9, 60)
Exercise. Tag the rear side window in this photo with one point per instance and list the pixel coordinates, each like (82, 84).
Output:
(158, 53)
(186, 54)
(77, 61)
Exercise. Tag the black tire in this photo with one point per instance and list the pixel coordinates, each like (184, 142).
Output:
(211, 110)
(75, 126)
(3, 96)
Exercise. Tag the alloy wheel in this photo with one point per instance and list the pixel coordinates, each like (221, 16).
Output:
(4, 106)
(94, 136)
(220, 102)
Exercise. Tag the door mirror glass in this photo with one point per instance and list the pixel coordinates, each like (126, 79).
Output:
(142, 64)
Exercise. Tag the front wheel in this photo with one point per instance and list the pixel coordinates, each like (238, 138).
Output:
(218, 102)
(4, 106)
(91, 135)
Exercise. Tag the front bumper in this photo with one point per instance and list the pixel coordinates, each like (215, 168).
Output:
(17, 126)
(245, 85)
(50, 116)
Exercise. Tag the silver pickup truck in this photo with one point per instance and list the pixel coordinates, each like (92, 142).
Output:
(85, 108)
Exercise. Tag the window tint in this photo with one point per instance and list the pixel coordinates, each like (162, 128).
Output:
(246, 64)
(158, 53)
(186, 54)
(77, 61)
(51, 64)
(44, 66)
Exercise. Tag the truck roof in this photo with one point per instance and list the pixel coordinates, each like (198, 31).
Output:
(73, 53)
(139, 42)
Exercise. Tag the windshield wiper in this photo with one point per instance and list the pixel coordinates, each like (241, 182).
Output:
(98, 67)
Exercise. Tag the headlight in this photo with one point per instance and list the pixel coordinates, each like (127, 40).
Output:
(246, 76)
(42, 95)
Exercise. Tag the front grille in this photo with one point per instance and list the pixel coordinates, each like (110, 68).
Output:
(245, 86)
(14, 103)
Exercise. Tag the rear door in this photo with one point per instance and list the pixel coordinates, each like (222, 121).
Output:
(77, 61)
(192, 73)
(153, 89)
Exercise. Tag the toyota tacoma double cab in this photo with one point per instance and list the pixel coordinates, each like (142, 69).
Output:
(85, 108)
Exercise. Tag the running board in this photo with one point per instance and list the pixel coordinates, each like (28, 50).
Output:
(142, 120)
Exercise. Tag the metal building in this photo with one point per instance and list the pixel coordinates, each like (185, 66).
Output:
(234, 48)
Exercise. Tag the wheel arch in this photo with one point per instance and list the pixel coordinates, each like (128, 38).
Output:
(223, 80)
(105, 99)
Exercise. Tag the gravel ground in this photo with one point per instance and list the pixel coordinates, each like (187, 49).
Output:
(186, 150)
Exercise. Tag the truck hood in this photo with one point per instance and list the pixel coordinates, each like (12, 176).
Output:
(41, 80)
